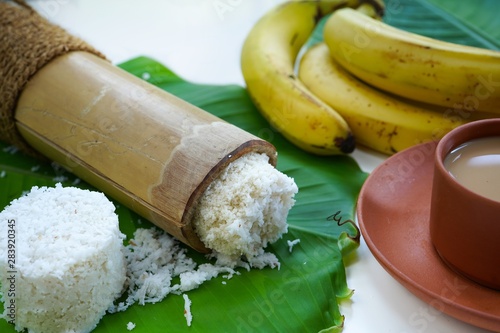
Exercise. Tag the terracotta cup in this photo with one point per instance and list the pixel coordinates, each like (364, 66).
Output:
(465, 226)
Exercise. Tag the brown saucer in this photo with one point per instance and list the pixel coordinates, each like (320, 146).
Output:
(393, 215)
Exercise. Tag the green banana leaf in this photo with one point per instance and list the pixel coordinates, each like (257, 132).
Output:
(473, 23)
(302, 296)
(304, 293)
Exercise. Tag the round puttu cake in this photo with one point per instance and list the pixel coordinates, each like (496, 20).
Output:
(61, 259)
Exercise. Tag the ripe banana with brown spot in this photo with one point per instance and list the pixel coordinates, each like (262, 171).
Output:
(383, 122)
(267, 62)
(414, 66)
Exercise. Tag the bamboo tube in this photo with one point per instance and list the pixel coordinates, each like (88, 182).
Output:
(147, 149)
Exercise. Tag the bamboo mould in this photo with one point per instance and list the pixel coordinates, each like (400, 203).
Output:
(146, 148)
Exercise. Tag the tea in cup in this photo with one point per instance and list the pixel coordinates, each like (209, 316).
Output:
(465, 202)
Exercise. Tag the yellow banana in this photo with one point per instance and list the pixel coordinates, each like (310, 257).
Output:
(267, 61)
(383, 122)
(414, 66)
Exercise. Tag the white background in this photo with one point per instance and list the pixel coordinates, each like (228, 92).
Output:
(201, 40)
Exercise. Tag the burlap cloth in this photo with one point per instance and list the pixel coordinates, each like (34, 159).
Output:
(27, 43)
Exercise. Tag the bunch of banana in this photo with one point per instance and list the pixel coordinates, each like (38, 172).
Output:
(268, 66)
(387, 88)
(414, 66)
(383, 122)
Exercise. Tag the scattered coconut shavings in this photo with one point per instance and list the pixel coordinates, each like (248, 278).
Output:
(130, 326)
(155, 260)
(60, 171)
(60, 179)
(11, 150)
(193, 279)
(187, 309)
(291, 244)
(263, 260)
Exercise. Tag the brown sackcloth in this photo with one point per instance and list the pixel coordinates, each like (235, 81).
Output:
(27, 43)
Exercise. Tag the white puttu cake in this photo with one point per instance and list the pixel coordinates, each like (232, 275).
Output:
(245, 208)
(69, 265)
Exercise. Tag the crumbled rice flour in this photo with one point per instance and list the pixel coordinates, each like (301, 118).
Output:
(70, 234)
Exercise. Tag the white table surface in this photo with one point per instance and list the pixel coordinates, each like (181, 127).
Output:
(200, 40)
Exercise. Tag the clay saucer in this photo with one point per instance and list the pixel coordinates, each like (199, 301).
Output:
(393, 214)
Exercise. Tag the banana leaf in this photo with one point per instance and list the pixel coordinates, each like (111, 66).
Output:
(304, 294)
(473, 23)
